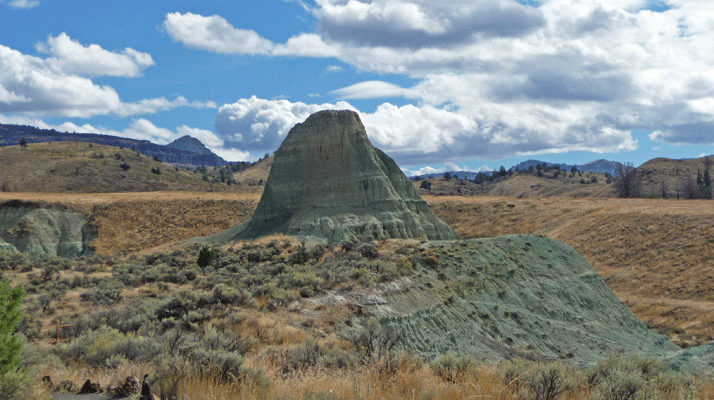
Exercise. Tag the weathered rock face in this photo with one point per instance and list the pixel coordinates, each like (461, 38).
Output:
(44, 229)
(327, 180)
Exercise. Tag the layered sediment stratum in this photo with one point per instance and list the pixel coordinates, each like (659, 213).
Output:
(328, 181)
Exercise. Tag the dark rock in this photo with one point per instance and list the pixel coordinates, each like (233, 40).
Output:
(90, 387)
(131, 387)
(47, 381)
(328, 181)
(146, 390)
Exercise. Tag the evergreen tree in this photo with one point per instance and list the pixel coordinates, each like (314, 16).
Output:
(206, 256)
(10, 346)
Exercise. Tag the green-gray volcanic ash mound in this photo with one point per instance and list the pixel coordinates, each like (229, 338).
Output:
(328, 181)
(45, 229)
(505, 297)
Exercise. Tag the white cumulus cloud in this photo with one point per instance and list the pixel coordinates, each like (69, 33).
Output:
(59, 86)
(261, 125)
(423, 23)
(372, 90)
(71, 57)
(215, 34)
(24, 3)
(415, 135)
(497, 78)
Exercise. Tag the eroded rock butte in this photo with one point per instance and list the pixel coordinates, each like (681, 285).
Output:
(328, 181)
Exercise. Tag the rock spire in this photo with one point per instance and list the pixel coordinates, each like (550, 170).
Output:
(328, 181)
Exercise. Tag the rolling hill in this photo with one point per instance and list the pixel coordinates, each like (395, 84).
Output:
(183, 151)
(676, 178)
(90, 168)
(524, 184)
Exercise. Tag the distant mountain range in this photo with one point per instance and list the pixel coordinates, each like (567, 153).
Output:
(602, 166)
(189, 143)
(468, 175)
(184, 151)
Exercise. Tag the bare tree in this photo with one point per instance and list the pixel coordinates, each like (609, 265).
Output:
(691, 189)
(678, 188)
(663, 188)
(627, 181)
(706, 184)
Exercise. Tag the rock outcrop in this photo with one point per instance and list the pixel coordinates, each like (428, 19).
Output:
(51, 229)
(328, 181)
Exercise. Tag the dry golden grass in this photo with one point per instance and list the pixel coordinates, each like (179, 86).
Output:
(256, 173)
(106, 377)
(673, 174)
(364, 384)
(272, 328)
(523, 185)
(131, 222)
(59, 167)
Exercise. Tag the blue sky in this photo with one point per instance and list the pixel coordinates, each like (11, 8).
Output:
(458, 84)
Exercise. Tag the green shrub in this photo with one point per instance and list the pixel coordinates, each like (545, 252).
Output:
(11, 260)
(300, 256)
(97, 347)
(644, 366)
(226, 295)
(310, 354)
(372, 340)
(13, 384)
(621, 385)
(305, 355)
(364, 277)
(206, 256)
(541, 381)
(107, 292)
(453, 369)
(181, 303)
(635, 377)
(368, 250)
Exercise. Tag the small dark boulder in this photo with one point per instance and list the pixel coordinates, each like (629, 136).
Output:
(47, 381)
(90, 387)
(131, 387)
(146, 390)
